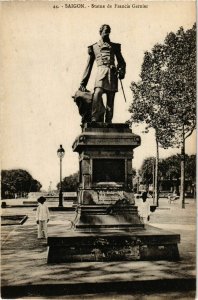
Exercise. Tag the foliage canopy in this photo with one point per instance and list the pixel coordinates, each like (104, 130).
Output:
(165, 97)
(169, 168)
(18, 180)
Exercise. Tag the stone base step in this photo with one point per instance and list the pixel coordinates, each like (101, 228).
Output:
(140, 244)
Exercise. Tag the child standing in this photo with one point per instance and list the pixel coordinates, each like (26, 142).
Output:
(42, 218)
(144, 208)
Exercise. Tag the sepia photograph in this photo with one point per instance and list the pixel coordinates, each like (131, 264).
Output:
(98, 149)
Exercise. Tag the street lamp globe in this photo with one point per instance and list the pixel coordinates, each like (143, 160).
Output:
(60, 153)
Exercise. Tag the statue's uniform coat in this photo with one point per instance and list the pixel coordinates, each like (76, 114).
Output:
(104, 53)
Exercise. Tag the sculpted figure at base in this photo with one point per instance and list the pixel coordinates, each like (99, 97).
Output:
(104, 53)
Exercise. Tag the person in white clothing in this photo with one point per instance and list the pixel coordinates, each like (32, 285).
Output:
(144, 208)
(42, 218)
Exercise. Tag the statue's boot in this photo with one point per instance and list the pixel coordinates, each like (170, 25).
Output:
(109, 107)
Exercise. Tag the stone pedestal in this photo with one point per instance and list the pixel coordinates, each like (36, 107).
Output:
(107, 225)
(105, 198)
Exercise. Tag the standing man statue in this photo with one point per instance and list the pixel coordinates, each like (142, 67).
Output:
(104, 52)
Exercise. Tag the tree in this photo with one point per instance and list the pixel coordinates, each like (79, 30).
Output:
(165, 97)
(18, 181)
(69, 183)
(169, 169)
(146, 171)
(149, 104)
(190, 170)
(181, 89)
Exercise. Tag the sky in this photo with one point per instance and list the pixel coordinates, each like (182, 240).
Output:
(43, 56)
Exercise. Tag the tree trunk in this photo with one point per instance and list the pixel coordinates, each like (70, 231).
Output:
(153, 181)
(156, 174)
(182, 184)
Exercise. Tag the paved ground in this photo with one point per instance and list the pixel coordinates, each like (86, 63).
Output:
(26, 275)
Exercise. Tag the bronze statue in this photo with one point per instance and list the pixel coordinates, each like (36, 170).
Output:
(104, 52)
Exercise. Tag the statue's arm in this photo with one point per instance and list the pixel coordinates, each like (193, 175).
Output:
(88, 68)
(121, 62)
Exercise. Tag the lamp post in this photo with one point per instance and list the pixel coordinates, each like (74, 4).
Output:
(60, 153)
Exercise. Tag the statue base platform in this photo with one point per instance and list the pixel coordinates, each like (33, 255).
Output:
(107, 226)
(148, 243)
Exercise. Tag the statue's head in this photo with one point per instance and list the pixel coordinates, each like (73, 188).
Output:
(105, 30)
